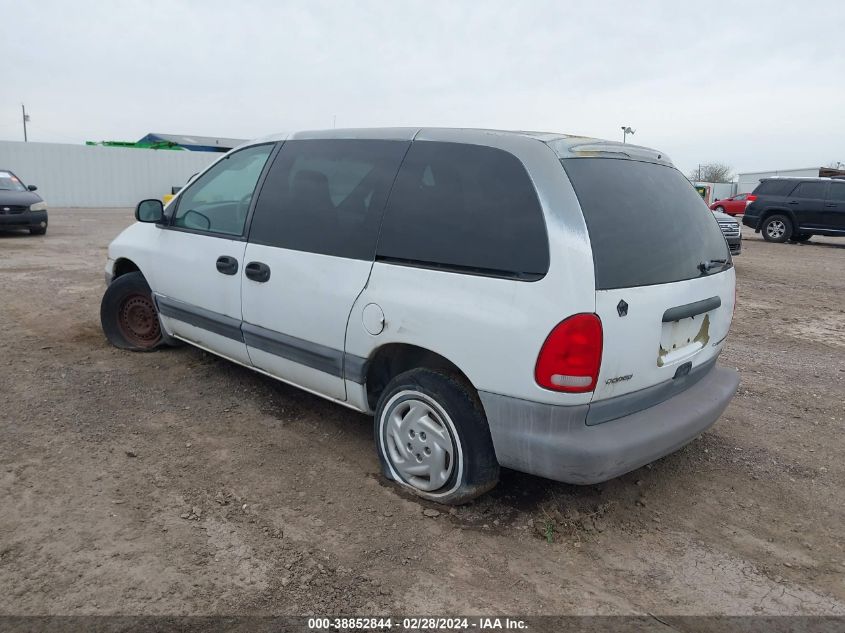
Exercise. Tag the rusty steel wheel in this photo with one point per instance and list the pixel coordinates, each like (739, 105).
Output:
(138, 320)
(128, 314)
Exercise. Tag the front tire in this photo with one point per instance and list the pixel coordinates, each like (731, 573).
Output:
(432, 437)
(777, 228)
(128, 314)
(38, 230)
(721, 209)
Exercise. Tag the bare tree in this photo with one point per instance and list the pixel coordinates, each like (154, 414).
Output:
(835, 164)
(712, 172)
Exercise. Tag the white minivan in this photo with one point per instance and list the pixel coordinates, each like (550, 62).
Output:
(548, 303)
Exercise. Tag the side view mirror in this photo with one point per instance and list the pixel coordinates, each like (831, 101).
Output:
(150, 211)
(32, 187)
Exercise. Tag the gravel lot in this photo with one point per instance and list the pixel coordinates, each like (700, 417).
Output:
(179, 483)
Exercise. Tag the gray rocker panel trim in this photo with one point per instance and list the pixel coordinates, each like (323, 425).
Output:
(314, 355)
(320, 357)
(355, 368)
(214, 322)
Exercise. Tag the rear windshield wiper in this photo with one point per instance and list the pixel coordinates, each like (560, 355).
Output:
(705, 266)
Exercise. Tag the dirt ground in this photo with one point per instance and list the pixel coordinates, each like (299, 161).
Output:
(179, 483)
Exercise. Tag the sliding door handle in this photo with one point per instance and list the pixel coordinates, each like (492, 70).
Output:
(257, 271)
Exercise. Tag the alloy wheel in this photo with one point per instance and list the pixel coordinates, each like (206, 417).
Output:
(775, 229)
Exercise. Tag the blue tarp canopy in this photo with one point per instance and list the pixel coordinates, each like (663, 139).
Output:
(194, 143)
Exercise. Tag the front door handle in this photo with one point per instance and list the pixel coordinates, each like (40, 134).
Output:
(831, 206)
(793, 202)
(258, 271)
(227, 265)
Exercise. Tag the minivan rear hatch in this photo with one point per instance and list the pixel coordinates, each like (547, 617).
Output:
(664, 280)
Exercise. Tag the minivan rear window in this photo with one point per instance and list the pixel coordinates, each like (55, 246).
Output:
(647, 223)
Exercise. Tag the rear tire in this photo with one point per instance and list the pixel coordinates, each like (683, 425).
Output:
(777, 228)
(721, 210)
(432, 437)
(801, 237)
(128, 314)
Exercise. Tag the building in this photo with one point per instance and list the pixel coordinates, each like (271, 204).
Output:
(747, 181)
(192, 143)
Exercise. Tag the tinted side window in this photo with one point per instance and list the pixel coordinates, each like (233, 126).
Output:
(327, 196)
(837, 192)
(218, 201)
(774, 187)
(468, 208)
(811, 189)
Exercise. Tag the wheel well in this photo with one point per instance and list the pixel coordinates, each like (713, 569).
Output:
(393, 359)
(770, 212)
(123, 266)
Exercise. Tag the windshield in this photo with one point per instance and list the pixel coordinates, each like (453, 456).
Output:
(647, 223)
(10, 182)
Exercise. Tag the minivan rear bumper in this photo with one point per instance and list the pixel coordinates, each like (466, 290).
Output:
(555, 442)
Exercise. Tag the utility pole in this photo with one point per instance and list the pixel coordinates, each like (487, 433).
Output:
(25, 119)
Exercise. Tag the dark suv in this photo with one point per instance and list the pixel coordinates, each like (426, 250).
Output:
(797, 208)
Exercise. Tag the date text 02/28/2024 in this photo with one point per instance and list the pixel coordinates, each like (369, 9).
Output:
(416, 623)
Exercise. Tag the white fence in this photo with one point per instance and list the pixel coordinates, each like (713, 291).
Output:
(749, 181)
(95, 176)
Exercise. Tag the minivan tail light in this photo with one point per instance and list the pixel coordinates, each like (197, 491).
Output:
(570, 358)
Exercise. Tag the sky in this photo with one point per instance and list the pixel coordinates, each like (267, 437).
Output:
(754, 85)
